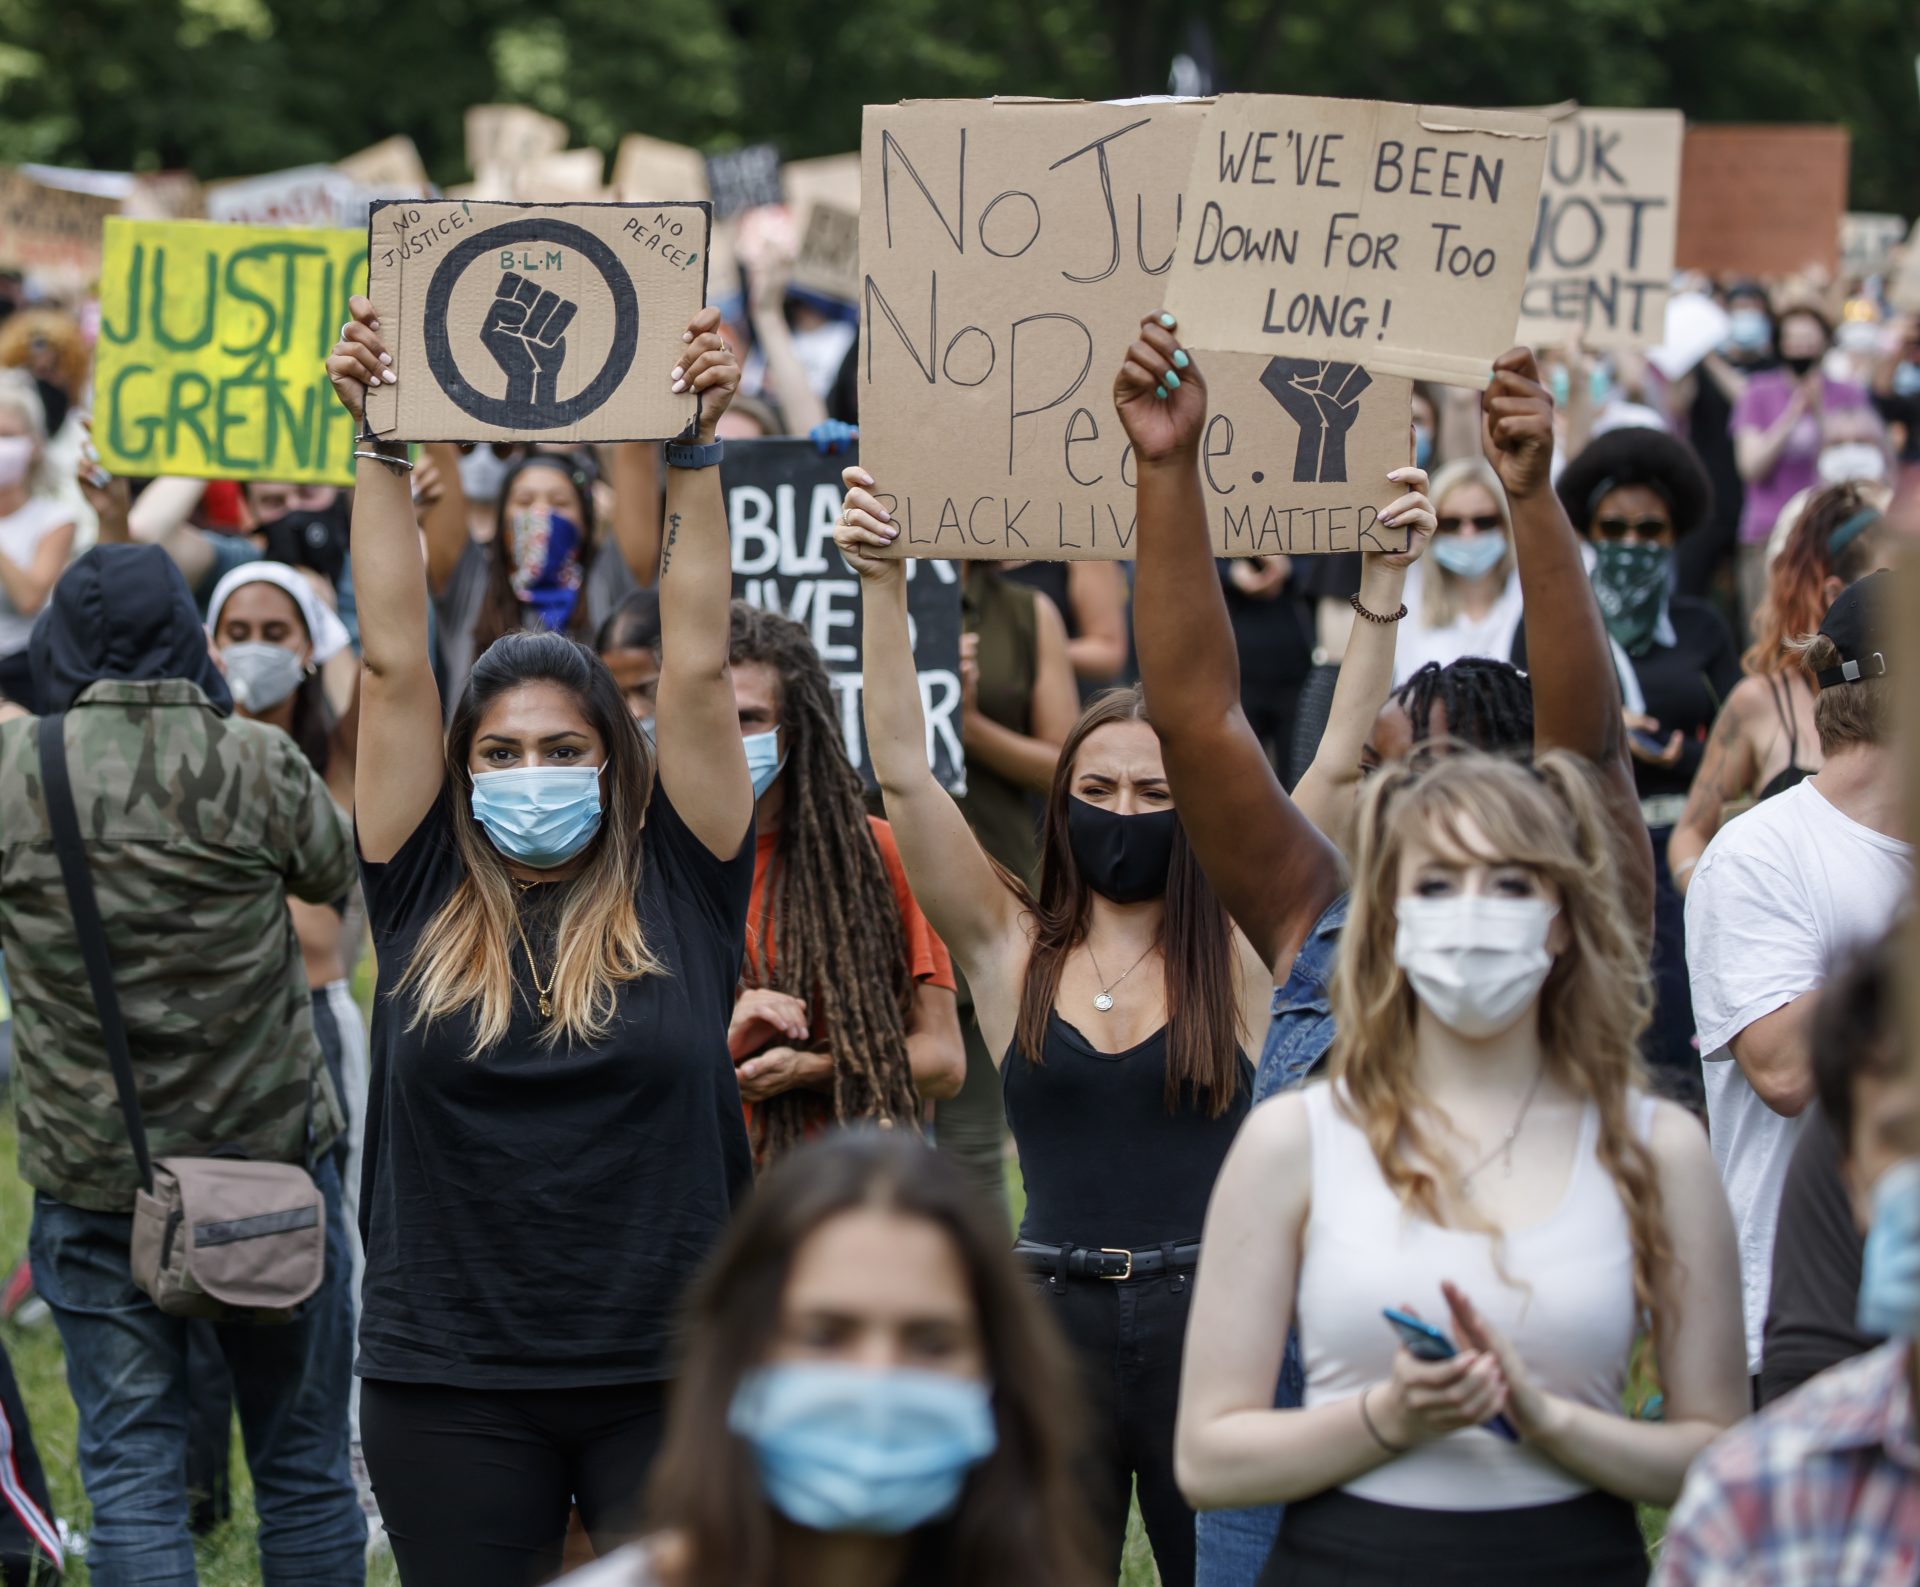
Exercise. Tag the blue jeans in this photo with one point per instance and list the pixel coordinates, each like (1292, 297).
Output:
(127, 1369)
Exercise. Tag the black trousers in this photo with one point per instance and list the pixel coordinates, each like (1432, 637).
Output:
(1337, 1540)
(1128, 1339)
(475, 1485)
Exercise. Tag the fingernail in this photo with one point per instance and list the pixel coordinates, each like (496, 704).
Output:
(374, 323)
(686, 336)
(863, 476)
(1172, 381)
(386, 358)
(389, 377)
(677, 374)
(1167, 320)
(1394, 474)
(1160, 392)
(679, 385)
(892, 535)
(1180, 359)
(1387, 523)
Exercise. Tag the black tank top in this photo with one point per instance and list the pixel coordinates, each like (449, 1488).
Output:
(1793, 772)
(1105, 1163)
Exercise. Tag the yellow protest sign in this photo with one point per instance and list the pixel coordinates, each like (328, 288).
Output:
(212, 351)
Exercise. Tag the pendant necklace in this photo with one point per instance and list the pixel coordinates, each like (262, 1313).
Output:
(545, 993)
(1104, 1000)
(1504, 1150)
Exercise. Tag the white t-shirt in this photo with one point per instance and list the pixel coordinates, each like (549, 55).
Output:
(1782, 893)
(20, 536)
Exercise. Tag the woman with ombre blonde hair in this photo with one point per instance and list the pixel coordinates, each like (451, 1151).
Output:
(1486, 1164)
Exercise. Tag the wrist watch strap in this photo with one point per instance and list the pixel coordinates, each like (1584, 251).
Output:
(681, 455)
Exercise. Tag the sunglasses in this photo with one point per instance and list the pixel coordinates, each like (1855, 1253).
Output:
(1620, 528)
(1452, 524)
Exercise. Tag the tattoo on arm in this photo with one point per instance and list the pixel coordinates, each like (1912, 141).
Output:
(673, 533)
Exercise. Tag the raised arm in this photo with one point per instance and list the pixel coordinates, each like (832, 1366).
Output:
(1097, 592)
(1329, 792)
(952, 879)
(28, 584)
(1576, 698)
(1268, 862)
(703, 765)
(1728, 770)
(636, 508)
(401, 767)
(1025, 758)
(443, 522)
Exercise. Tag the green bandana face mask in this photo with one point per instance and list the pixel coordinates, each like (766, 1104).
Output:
(1631, 584)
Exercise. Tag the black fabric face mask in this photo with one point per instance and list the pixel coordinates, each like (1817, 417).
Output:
(316, 540)
(1799, 366)
(1123, 858)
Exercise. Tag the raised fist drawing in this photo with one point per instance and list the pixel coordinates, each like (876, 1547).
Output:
(1323, 398)
(526, 331)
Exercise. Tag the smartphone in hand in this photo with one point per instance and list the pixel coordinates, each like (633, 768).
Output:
(1428, 1343)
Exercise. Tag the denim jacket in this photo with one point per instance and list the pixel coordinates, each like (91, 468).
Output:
(1301, 1034)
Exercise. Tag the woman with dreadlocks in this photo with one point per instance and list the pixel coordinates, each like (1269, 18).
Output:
(846, 1010)
(1117, 998)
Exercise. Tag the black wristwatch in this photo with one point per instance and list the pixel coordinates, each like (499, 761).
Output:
(681, 455)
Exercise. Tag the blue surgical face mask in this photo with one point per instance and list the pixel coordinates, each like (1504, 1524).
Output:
(1749, 330)
(1906, 379)
(1560, 384)
(841, 1449)
(1469, 556)
(764, 760)
(539, 815)
(1423, 445)
(1890, 1265)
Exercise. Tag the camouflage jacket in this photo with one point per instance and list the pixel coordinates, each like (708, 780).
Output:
(197, 828)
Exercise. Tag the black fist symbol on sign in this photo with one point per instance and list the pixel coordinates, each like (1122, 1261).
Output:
(525, 331)
(1323, 398)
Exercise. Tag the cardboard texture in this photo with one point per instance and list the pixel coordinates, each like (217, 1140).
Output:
(212, 350)
(308, 195)
(1903, 287)
(1391, 236)
(1762, 201)
(505, 137)
(534, 322)
(1602, 256)
(52, 233)
(1868, 243)
(572, 175)
(782, 500)
(391, 168)
(647, 170)
(743, 179)
(824, 196)
(1009, 251)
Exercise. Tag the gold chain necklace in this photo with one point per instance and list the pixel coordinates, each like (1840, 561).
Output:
(533, 970)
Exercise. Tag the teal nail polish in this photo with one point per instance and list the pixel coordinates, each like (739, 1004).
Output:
(1173, 380)
(1180, 359)
(1160, 392)
(1167, 320)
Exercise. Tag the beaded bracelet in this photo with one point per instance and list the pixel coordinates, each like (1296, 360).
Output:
(1375, 617)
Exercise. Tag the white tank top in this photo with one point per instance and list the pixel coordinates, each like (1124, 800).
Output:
(1574, 1328)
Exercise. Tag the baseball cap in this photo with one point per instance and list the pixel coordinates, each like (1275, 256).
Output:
(1858, 626)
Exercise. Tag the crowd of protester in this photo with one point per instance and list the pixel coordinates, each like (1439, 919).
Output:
(1439, 1006)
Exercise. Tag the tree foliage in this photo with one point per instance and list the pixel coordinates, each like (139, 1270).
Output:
(231, 87)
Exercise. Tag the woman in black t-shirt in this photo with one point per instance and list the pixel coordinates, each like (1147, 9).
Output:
(554, 1138)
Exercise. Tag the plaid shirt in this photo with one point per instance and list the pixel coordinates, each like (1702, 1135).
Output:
(1821, 1489)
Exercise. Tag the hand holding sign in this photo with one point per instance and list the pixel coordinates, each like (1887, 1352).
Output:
(1160, 395)
(359, 360)
(525, 331)
(865, 529)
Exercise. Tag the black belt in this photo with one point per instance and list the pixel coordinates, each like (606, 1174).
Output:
(1108, 1262)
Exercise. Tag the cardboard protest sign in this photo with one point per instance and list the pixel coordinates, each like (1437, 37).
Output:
(503, 137)
(1390, 236)
(535, 322)
(50, 232)
(648, 170)
(742, 179)
(572, 174)
(1009, 250)
(391, 168)
(308, 195)
(213, 342)
(165, 195)
(1762, 201)
(824, 196)
(782, 500)
(1602, 257)
(1868, 243)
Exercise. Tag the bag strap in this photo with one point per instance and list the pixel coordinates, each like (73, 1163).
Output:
(90, 929)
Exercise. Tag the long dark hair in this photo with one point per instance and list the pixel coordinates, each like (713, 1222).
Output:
(1022, 1521)
(1196, 937)
(502, 612)
(837, 941)
(464, 962)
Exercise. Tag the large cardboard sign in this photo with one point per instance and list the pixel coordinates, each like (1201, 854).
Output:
(649, 169)
(505, 137)
(782, 499)
(51, 232)
(1869, 242)
(1390, 236)
(212, 351)
(1009, 250)
(537, 322)
(1602, 256)
(390, 168)
(1762, 201)
(743, 179)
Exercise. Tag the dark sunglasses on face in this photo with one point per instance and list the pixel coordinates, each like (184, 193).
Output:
(1452, 523)
(1620, 528)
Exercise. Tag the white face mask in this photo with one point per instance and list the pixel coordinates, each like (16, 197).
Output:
(1476, 963)
(16, 457)
(1847, 462)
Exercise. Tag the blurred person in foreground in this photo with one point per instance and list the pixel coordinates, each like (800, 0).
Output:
(870, 1397)
(1823, 1487)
